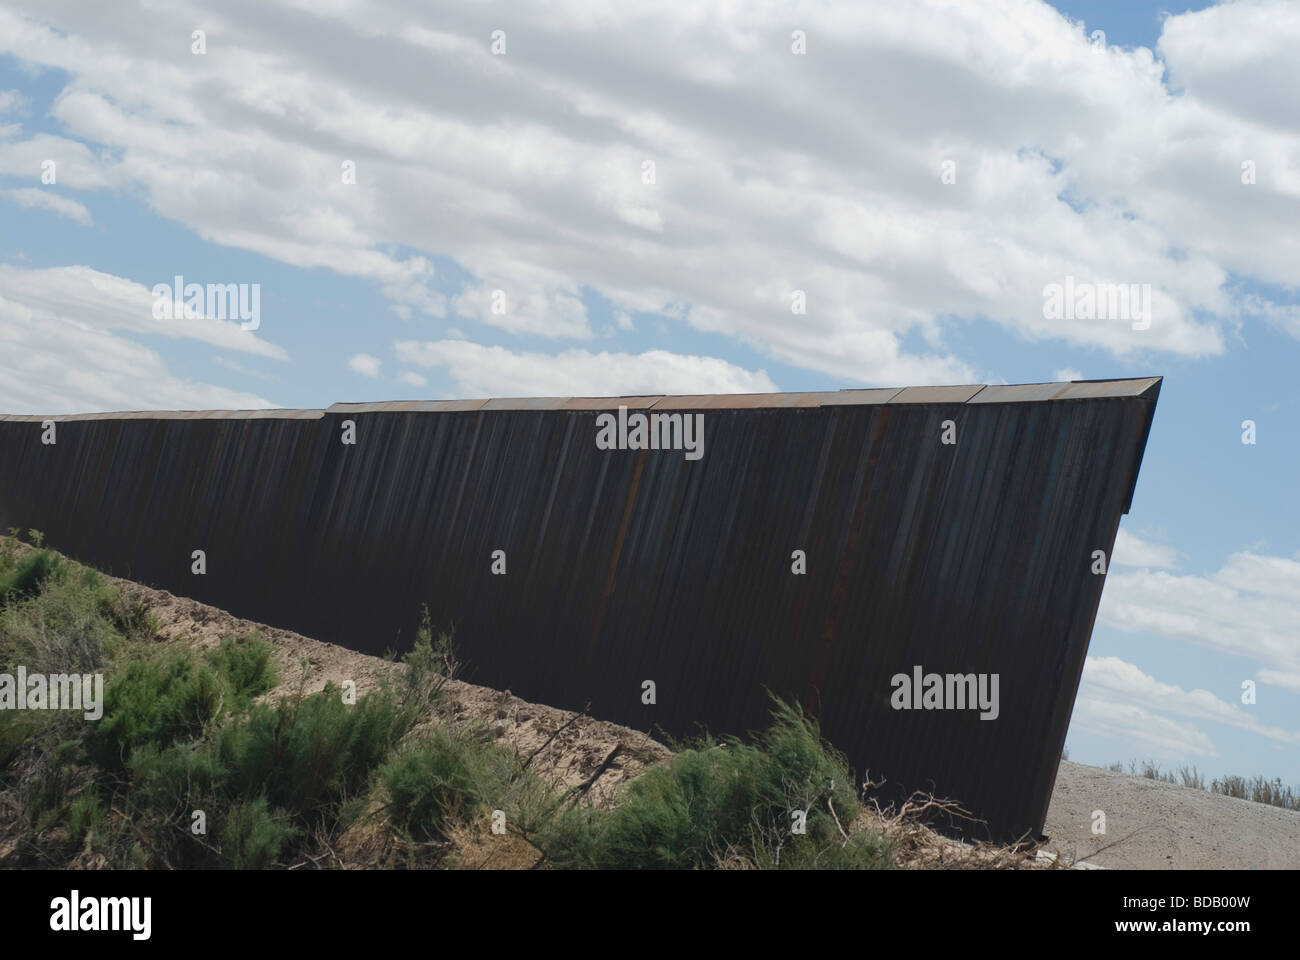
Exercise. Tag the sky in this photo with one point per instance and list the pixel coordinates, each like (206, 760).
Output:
(591, 197)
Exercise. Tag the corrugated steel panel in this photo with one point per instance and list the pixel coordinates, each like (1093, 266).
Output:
(632, 565)
(270, 414)
(527, 403)
(936, 394)
(611, 403)
(1089, 389)
(860, 397)
(739, 401)
(408, 406)
(1020, 393)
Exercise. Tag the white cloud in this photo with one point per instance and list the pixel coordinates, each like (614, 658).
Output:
(1161, 735)
(34, 198)
(364, 364)
(1280, 678)
(480, 371)
(61, 365)
(773, 173)
(412, 379)
(239, 368)
(12, 101)
(1067, 373)
(1133, 551)
(1114, 681)
(104, 301)
(1250, 607)
(61, 352)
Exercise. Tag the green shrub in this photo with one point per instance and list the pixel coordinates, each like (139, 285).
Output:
(254, 835)
(84, 814)
(727, 799)
(153, 700)
(169, 696)
(178, 778)
(306, 753)
(73, 624)
(245, 667)
(27, 577)
(447, 775)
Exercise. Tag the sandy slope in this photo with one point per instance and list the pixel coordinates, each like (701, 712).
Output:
(1154, 825)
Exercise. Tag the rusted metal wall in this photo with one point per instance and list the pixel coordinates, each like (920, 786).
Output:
(627, 566)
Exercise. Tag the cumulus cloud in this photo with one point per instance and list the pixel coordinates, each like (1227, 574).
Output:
(36, 199)
(712, 186)
(61, 365)
(12, 101)
(1116, 682)
(104, 301)
(1133, 551)
(480, 371)
(61, 348)
(364, 364)
(1163, 736)
(1250, 607)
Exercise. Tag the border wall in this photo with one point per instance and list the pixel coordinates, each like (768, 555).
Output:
(626, 566)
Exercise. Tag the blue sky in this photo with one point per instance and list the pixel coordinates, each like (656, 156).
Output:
(524, 172)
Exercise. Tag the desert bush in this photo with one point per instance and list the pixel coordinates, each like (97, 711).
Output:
(450, 774)
(726, 800)
(73, 623)
(159, 698)
(85, 813)
(254, 835)
(306, 753)
(26, 576)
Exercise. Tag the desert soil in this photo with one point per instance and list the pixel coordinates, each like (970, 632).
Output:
(1153, 825)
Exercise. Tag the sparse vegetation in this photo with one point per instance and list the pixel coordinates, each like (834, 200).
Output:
(729, 803)
(1257, 789)
(197, 763)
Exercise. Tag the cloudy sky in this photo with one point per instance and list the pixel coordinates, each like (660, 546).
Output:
(588, 197)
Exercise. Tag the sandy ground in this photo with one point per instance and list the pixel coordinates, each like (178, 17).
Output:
(1160, 826)
(1150, 825)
